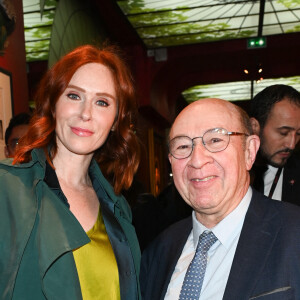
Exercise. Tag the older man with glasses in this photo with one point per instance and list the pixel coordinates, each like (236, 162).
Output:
(237, 244)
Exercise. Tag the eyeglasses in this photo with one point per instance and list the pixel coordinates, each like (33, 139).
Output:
(214, 140)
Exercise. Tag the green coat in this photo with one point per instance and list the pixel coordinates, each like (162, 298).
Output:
(38, 234)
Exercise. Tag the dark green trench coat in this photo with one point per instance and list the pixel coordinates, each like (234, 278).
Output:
(38, 234)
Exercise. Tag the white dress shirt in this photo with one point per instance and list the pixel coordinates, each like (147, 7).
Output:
(268, 181)
(220, 255)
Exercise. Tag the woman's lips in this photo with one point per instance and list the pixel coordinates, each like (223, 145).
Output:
(81, 131)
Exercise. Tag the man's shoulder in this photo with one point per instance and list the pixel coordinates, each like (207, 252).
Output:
(290, 215)
(285, 218)
(293, 161)
(284, 212)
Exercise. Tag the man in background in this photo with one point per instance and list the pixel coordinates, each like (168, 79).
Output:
(275, 113)
(17, 127)
(237, 244)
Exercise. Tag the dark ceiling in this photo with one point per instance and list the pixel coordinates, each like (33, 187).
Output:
(181, 29)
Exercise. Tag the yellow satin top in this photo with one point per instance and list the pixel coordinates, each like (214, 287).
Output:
(96, 265)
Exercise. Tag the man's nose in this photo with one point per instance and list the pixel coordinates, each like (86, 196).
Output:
(200, 155)
(292, 141)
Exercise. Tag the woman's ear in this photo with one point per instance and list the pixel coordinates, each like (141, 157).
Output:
(255, 126)
(252, 146)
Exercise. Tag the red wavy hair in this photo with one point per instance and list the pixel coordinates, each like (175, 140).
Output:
(119, 156)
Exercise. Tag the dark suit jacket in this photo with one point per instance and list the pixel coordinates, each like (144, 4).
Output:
(266, 264)
(291, 180)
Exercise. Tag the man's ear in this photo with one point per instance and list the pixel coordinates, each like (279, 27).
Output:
(6, 152)
(255, 126)
(170, 157)
(252, 146)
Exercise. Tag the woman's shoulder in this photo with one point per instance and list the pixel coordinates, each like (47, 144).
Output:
(10, 173)
(6, 162)
(6, 166)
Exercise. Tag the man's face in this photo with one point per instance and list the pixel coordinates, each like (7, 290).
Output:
(281, 133)
(16, 134)
(213, 184)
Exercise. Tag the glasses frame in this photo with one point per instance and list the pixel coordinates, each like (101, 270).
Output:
(229, 133)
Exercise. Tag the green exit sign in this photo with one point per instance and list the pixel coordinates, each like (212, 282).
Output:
(259, 42)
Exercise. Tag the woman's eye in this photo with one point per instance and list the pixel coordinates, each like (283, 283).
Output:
(102, 102)
(73, 96)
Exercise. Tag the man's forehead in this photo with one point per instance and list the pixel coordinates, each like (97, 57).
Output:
(18, 131)
(285, 113)
(196, 119)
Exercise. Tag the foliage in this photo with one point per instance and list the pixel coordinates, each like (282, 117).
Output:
(166, 27)
(132, 6)
(37, 34)
(295, 29)
(163, 26)
(235, 91)
(7, 23)
(290, 3)
(197, 34)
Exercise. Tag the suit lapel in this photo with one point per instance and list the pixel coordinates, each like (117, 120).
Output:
(174, 252)
(257, 175)
(291, 182)
(258, 234)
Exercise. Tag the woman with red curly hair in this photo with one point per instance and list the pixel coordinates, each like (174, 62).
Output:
(66, 231)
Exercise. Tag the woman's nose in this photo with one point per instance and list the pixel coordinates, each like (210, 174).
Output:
(86, 111)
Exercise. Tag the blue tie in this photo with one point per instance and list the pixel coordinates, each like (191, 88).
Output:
(193, 279)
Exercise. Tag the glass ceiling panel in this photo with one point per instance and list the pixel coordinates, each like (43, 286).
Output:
(163, 23)
(236, 91)
(38, 29)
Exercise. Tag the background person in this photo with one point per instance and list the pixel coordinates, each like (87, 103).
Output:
(17, 127)
(248, 244)
(275, 113)
(65, 232)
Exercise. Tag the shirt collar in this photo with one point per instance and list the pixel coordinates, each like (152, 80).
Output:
(272, 169)
(52, 181)
(229, 227)
(51, 178)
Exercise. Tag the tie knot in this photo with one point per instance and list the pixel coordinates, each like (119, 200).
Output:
(206, 240)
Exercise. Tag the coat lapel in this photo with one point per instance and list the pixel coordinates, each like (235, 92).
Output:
(58, 234)
(291, 181)
(174, 253)
(258, 234)
(160, 258)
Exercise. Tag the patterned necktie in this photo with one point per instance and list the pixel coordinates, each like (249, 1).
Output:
(193, 279)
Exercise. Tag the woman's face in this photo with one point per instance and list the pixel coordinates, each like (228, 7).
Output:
(86, 110)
